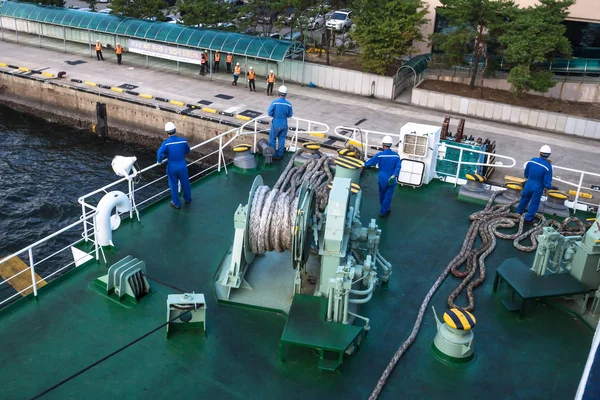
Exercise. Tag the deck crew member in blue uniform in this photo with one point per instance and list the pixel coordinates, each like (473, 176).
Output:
(280, 109)
(174, 149)
(538, 172)
(389, 167)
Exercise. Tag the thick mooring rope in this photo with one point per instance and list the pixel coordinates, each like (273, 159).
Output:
(485, 225)
(274, 210)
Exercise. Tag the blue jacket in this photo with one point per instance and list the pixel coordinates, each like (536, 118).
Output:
(280, 109)
(538, 172)
(174, 148)
(389, 163)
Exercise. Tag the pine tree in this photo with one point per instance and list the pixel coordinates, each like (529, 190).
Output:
(385, 30)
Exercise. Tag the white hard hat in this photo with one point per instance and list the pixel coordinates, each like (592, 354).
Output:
(237, 63)
(118, 44)
(282, 90)
(97, 41)
(169, 127)
(387, 140)
(271, 71)
(545, 149)
(251, 67)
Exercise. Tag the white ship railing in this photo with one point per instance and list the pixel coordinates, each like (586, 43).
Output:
(580, 178)
(366, 140)
(86, 225)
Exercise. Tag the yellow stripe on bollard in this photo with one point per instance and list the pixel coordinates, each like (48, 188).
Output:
(24, 69)
(209, 110)
(243, 117)
(178, 103)
(146, 96)
(116, 89)
(48, 74)
(91, 83)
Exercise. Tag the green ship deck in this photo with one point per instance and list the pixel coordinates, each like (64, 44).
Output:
(71, 326)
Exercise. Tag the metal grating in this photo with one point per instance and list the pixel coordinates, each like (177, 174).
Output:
(415, 145)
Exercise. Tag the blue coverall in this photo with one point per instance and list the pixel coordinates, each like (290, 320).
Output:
(538, 173)
(280, 109)
(389, 164)
(174, 149)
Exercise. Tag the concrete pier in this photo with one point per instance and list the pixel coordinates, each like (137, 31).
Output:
(75, 101)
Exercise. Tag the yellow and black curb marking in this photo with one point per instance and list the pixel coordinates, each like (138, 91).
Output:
(25, 69)
(475, 177)
(177, 103)
(354, 187)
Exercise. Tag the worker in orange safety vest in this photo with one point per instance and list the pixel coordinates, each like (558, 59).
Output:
(99, 51)
(229, 61)
(270, 83)
(119, 53)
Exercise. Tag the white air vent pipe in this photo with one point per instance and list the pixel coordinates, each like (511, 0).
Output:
(104, 222)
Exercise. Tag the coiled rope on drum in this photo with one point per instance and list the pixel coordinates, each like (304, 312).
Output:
(274, 210)
(485, 224)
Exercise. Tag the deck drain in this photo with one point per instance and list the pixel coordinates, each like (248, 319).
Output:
(224, 96)
(128, 86)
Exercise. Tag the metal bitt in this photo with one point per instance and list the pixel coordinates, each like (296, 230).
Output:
(243, 158)
(267, 151)
(556, 200)
(474, 183)
(454, 338)
(513, 191)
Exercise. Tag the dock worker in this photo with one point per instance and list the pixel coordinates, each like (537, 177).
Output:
(252, 79)
(119, 52)
(217, 61)
(538, 172)
(174, 149)
(389, 164)
(280, 109)
(203, 62)
(236, 74)
(99, 51)
(228, 62)
(270, 83)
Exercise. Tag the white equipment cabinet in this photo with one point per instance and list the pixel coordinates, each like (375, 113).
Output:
(418, 150)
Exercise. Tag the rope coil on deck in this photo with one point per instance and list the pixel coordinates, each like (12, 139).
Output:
(273, 211)
(485, 224)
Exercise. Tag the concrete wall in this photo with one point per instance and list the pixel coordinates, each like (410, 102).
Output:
(342, 80)
(127, 121)
(531, 118)
(569, 91)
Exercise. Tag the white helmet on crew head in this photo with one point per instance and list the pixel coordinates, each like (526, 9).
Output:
(387, 141)
(237, 63)
(282, 90)
(170, 128)
(251, 67)
(271, 71)
(545, 150)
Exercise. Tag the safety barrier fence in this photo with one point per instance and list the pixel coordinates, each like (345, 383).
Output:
(86, 226)
(582, 184)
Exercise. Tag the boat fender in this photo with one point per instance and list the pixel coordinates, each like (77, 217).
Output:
(106, 223)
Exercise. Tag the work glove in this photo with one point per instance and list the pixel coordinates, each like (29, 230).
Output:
(392, 180)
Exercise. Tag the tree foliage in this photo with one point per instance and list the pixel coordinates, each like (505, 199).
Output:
(531, 36)
(149, 9)
(58, 3)
(205, 12)
(386, 29)
(261, 13)
(475, 24)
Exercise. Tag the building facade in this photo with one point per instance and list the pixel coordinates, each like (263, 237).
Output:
(583, 26)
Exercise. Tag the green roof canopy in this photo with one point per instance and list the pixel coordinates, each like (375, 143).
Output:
(227, 42)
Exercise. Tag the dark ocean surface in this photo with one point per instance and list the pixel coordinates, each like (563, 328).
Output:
(44, 169)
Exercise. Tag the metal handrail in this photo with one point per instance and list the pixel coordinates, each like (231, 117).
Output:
(89, 211)
(579, 185)
(363, 142)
